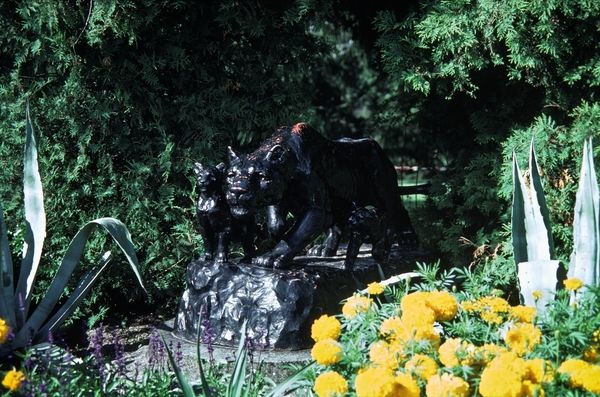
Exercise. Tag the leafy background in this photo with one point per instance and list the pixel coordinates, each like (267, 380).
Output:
(126, 95)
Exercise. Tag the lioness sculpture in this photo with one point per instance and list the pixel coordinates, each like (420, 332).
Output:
(318, 180)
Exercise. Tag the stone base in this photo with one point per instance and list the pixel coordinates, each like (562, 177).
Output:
(278, 305)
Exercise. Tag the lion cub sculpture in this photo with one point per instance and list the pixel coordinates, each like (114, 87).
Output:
(214, 217)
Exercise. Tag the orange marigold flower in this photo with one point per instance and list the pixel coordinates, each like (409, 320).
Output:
(446, 385)
(325, 327)
(330, 384)
(326, 352)
(356, 304)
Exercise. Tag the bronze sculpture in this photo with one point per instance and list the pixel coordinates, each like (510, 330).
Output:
(336, 186)
(214, 218)
(318, 180)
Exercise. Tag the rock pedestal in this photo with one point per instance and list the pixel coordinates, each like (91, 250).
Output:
(279, 306)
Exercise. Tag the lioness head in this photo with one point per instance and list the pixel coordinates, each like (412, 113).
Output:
(254, 181)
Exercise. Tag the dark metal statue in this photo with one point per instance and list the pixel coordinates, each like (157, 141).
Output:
(214, 218)
(367, 225)
(319, 181)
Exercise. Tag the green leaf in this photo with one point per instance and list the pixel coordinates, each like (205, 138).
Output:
(519, 235)
(538, 198)
(117, 230)
(186, 388)
(35, 220)
(205, 388)
(7, 303)
(236, 383)
(586, 233)
(291, 383)
(531, 230)
(80, 292)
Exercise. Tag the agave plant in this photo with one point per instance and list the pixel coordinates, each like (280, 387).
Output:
(532, 236)
(16, 299)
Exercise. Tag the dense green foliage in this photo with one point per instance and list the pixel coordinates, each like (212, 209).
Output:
(485, 76)
(127, 94)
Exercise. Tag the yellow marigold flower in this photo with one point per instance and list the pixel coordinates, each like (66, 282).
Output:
(576, 369)
(418, 333)
(592, 381)
(356, 304)
(446, 385)
(421, 365)
(596, 337)
(382, 354)
(4, 331)
(503, 377)
(522, 338)
(494, 303)
(537, 294)
(572, 284)
(535, 370)
(447, 352)
(391, 326)
(374, 382)
(13, 379)
(417, 317)
(444, 305)
(405, 386)
(590, 354)
(326, 352)
(325, 327)
(330, 384)
(375, 288)
(468, 306)
(489, 351)
(524, 314)
(531, 389)
(491, 317)
(414, 301)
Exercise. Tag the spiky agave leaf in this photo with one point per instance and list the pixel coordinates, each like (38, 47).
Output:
(585, 260)
(7, 297)
(117, 230)
(35, 221)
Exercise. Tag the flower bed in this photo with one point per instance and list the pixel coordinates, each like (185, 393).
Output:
(437, 343)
